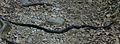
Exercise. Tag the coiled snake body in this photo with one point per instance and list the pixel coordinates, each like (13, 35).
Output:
(58, 31)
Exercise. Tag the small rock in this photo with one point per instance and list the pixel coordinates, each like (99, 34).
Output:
(57, 20)
(58, 9)
(17, 40)
(45, 40)
(16, 36)
(32, 16)
(29, 40)
(83, 35)
(54, 8)
(119, 2)
(91, 32)
(0, 40)
(87, 35)
(107, 33)
(108, 15)
(57, 5)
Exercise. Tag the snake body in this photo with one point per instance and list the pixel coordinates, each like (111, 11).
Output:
(58, 31)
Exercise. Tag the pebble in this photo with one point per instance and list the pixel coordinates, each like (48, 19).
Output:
(107, 33)
(29, 40)
(58, 9)
(54, 8)
(87, 35)
(83, 35)
(17, 40)
(0, 40)
(91, 32)
(108, 15)
(56, 20)
(57, 5)
(119, 2)
(33, 16)
(44, 39)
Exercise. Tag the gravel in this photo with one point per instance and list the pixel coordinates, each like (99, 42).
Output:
(63, 14)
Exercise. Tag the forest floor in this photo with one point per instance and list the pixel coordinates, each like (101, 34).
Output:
(62, 14)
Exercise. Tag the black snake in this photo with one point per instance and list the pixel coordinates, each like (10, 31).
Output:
(58, 31)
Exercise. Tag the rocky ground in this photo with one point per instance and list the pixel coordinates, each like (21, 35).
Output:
(62, 14)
